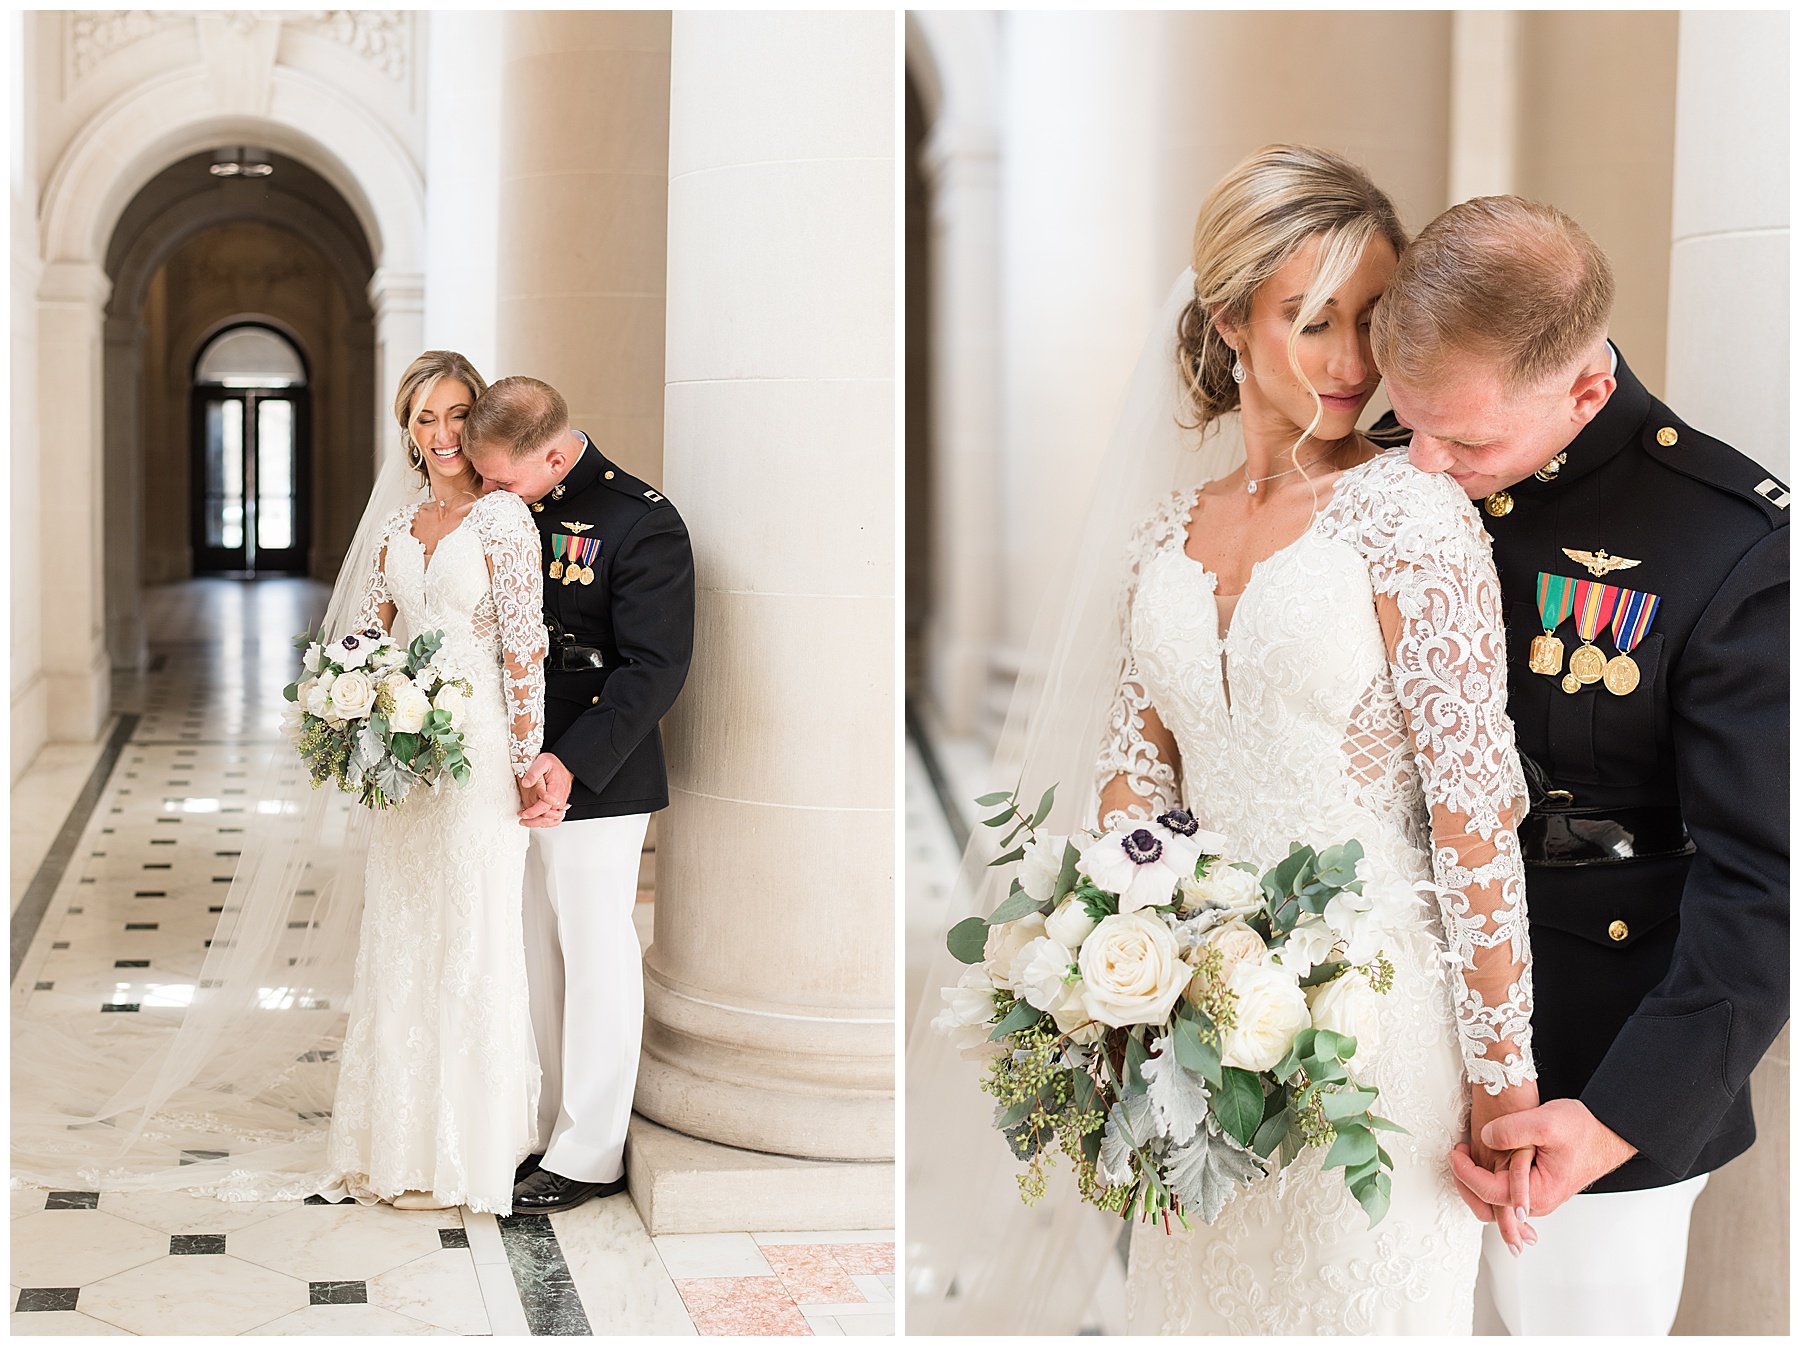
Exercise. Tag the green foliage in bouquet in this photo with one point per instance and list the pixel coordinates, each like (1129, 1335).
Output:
(1153, 1122)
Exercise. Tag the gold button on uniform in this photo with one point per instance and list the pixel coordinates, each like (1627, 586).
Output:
(596, 701)
(609, 475)
(537, 507)
(1618, 930)
(1500, 504)
(1666, 436)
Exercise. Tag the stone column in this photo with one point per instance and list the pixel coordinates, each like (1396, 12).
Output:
(769, 987)
(962, 169)
(1728, 262)
(583, 189)
(71, 486)
(30, 714)
(1728, 373)
(123, 505)
(462, 183)
(398, 300)
(1484, 103)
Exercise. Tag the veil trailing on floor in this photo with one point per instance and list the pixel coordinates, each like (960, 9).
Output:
(978, 1259)
(224, 1085)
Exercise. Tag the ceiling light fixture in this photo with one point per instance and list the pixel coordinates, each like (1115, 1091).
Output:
(241, 162)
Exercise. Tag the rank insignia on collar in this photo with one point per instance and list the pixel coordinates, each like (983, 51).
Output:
(652, 495)
(576, 527)
(1599, 563)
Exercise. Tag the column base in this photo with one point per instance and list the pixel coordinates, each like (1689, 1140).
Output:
(681, 1185)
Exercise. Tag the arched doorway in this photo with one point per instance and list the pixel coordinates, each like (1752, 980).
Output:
(248, 468)
(240, 372)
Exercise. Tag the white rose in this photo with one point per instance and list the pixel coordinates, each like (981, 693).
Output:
(1270, 1009)
(1228, 886)
(1307, 946)
(968, 1014)
(1069, 924)
(1041, 867)
(387, 657)
(1042, 972)
(1238, 943)
(1349, 1005)
(1004, 943)
(352, 694)
(1131, 971)
(411, 706)
(451, 700)
(1072, 1018)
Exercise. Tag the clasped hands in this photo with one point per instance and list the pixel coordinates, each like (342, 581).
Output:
(1524, 1158)
(544, 791)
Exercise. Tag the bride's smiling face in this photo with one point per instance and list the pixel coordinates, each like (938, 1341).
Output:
(1332, 349)
(437, 430)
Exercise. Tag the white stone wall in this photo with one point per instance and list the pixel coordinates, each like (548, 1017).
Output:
(30, 715)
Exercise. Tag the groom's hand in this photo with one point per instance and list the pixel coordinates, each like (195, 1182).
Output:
(545, 789)
(1574, 1148)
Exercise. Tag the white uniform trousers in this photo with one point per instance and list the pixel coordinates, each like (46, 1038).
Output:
(587, 989)
(1606, 1264)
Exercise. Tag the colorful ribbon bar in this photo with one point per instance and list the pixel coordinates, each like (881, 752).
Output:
(1595, 604)
(1555, 599)
(1631, 621)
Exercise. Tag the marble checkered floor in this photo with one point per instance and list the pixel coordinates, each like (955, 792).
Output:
(129, 894)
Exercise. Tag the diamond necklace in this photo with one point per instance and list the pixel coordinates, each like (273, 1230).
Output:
(1251, 483)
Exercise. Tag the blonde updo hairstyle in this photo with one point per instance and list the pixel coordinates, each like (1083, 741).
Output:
(416, 385)
(1257, 217)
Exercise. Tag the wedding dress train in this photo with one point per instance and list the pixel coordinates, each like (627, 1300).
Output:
(1306, 723)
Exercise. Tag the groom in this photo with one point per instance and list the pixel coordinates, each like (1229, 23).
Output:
(1656, 846)
(619, 605)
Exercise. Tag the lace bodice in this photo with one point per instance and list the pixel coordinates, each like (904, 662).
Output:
(483, 587)
(1307, 723)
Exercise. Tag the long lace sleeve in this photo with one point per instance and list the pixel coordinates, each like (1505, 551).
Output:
(377, 605)
(1137, 773)
(1431, 561)
(515, 564)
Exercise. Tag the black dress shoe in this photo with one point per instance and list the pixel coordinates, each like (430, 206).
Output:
(527, 1166)
(547, 1191)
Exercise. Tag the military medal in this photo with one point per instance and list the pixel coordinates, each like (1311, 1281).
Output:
(1630, 623)
(1594, 607)
(557, 541)
(1555, 599)
(583, 551)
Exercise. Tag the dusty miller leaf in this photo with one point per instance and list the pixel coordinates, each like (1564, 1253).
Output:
(1132, 1120)
(1178, 1093)
(1207, 1171)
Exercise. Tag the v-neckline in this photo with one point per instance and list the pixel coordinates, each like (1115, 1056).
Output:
(426, 553)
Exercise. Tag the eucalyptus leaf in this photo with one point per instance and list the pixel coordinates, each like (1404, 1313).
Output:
(1022, 1015)
(1272, 1132)
(1383, 1124)
(1354, 1145)
(1374, 1197)
(1340, 1104)
(1197, 1054)
(1136, 1053)
(1043, 808)
(998, 820)
(1021, 903)
(1065, 880)
(997, 797)
(967, 940)
(1016, 853)
(1322, 973)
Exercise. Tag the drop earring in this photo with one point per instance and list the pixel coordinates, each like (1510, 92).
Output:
(1237, 370)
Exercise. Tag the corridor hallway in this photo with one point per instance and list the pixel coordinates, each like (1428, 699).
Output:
(111, 915)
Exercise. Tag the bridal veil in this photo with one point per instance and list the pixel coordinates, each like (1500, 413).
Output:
(233, 1097)
(978, 1260)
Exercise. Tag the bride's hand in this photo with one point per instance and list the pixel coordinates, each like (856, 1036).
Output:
(1515, 1164)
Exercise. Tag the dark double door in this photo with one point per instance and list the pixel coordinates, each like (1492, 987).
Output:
(250, 506)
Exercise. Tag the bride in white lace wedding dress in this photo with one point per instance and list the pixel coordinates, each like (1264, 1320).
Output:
(1316, 654)
(438, 1087)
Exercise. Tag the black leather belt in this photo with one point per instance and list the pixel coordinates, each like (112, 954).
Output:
(573, 658)
(1602, 836)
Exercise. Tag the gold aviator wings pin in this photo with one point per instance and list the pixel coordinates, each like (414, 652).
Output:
(1599, 562)
(583, 527)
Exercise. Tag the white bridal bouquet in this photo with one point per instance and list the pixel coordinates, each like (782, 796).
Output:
(1174, 1024)
(376, 717)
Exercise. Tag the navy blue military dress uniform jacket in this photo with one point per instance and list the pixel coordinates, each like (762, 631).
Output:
(620, 643)
(1660, 950)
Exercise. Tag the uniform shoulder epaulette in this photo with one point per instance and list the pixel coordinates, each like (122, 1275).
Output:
(1388, 432)
(1693, 453)
(616, 478)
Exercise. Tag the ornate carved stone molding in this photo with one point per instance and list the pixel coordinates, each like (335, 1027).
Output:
(95, 34)
(382, 37)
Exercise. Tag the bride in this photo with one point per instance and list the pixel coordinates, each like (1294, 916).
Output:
(1306, 646)
(361, 1023)
(438, 1088)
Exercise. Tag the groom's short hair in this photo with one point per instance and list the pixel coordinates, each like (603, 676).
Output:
(1498, 278)
(519, 414)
